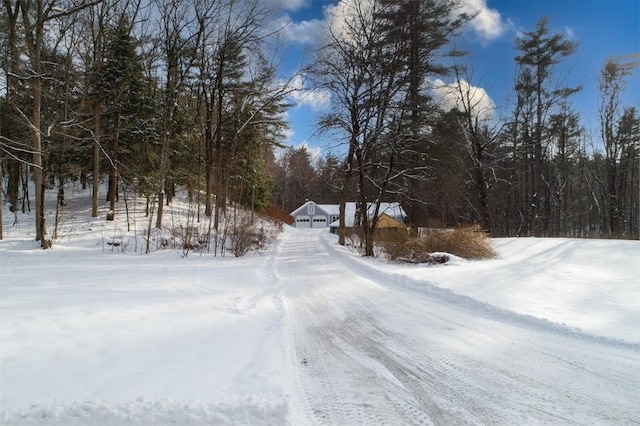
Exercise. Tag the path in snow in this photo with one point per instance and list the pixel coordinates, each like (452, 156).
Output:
(365, 351)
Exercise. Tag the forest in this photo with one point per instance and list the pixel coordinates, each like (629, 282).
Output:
(150, 95)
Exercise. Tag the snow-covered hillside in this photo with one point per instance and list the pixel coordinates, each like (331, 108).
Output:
(309, 333)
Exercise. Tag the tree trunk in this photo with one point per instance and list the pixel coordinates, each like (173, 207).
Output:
(218, 142)
(164, 155)
(113, 173)
(97, 118)
(38, 172)
(344, 193)
(209, 160)
(13, 184)
(96, 163)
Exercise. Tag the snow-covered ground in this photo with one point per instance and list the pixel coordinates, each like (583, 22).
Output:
(309, 333)
(592, 286)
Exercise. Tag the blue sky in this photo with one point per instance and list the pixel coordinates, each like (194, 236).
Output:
(601, 28)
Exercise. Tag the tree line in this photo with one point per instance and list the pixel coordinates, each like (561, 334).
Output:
(534, 172)
(157, 93)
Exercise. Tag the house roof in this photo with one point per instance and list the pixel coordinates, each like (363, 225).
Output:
(393, 210)
(330, 209)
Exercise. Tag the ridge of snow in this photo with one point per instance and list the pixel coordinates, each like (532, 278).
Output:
(425, 287)
(249, 411)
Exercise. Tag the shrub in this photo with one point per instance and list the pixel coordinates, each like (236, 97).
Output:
(469, 243)
(278, 214)
(245, 236)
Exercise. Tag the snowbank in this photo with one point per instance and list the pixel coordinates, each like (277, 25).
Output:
(586, 286)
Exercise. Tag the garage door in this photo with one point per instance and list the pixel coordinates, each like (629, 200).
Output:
(303, 222)
(319, 222)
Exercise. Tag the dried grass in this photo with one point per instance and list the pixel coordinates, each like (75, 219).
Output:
(468, 243)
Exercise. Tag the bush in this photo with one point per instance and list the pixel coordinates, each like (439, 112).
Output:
(246, 236)
(278, 214)
(469, 243)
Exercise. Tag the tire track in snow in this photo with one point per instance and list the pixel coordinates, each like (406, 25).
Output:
(398, 392)
(321, 353)
(617, 363)
(368, 352)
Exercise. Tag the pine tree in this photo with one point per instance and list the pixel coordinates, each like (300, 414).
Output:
(125, 103)
(538, 94)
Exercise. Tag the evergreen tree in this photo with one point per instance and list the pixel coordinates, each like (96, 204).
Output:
(538, 94)
(423, 29)
(125, 103)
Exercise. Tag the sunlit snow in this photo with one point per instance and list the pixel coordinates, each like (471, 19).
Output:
(308, 332)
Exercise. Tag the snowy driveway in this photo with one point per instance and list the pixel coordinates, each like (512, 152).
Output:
(366, 351)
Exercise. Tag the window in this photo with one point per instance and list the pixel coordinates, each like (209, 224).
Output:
(311, 209)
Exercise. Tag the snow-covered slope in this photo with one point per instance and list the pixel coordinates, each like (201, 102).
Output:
(309, 333)
(590, 286)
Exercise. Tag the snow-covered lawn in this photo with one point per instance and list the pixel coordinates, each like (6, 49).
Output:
(308, 333)
(133, 336)
(589, 285)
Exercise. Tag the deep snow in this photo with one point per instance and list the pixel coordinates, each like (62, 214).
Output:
(309, 333)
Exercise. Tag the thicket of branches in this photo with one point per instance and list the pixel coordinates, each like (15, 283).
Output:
(154, 94)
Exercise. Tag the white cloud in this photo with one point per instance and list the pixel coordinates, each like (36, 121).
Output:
(315, 98)
(488, 23)
(289, 134)
(293, 4)
(449, 95)
(334, 19)
(303, 32)
(345, 11)
(569, 33)
(314, 152)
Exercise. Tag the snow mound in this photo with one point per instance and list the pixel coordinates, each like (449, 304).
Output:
(252, 411)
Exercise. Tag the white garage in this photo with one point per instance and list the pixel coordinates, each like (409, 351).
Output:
(303, 221)
(312, 215)
(319, 222)
(306, 221)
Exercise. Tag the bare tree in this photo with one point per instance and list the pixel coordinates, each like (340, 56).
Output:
(373, 65)
(36, 15)
(362, 87)
(619, 130)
